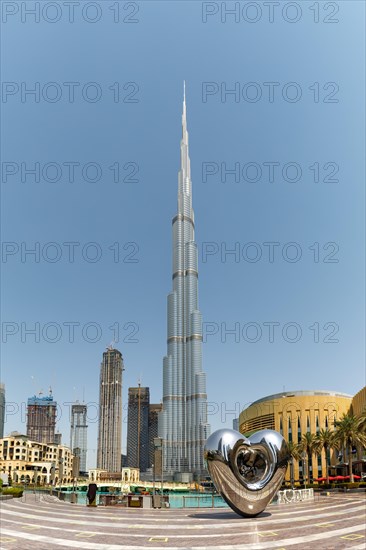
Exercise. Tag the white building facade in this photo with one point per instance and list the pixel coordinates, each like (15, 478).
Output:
(31, 462)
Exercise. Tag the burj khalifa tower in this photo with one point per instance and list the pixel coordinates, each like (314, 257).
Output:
(183, 423)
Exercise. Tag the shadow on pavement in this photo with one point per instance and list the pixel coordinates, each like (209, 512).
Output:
(226, 516)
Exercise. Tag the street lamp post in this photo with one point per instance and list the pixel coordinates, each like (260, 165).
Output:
(35, 478)
(292, 472)
(153, 466)
(303, 456)
(162, 466)
(158, 448)
(52, 476)
(60, 473)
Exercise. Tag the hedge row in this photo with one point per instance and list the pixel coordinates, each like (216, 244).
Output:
(323, 486)
(15, 491)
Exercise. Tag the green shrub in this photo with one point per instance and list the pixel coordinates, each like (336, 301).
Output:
(15, 491)
(348, 485)
(354, 485)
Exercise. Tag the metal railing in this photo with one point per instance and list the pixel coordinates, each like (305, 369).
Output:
(201, 501)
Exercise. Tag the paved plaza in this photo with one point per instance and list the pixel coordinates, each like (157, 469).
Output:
(42, 522)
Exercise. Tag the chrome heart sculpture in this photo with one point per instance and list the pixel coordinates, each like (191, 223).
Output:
(247, 472)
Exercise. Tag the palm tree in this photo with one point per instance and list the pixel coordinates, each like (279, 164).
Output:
(293, 450)
(308, 445)
(324, 439)
(348, 434)
(294, 455)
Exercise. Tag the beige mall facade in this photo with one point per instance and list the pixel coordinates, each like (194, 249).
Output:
(29, 462)
(293, 414)
(359, 402)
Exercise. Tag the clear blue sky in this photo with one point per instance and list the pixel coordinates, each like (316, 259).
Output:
(170, 43)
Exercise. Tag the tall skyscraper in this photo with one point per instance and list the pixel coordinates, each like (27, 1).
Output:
(154, 411)
(138, 428)
(110, 411)
(78, 433)
(2, 410)
(41, 418)
(183, 424)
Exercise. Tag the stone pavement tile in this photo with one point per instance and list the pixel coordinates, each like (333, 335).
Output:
(203, 528)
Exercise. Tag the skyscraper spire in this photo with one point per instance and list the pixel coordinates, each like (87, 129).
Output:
(183, 422)
(184, 177)
(184, 115)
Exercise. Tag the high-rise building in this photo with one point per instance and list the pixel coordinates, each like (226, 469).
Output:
(78, 433)
(183, 425)
(154, 411)
(138, 428)
(41, 418)
(110, 411)
(2, 409)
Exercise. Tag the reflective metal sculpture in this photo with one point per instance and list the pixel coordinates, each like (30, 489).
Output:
(247, 472)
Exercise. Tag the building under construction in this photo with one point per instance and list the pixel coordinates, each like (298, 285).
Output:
(41, 418)
(110, 411)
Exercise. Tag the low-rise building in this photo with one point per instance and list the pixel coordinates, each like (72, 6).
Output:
(29, 462)
(294, 414)
(127, 475)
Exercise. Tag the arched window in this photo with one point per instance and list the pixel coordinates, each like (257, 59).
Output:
(289, 430)
(298, 429)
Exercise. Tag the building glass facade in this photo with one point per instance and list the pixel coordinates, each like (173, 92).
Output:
(138, 428)
(79, 433)
(183, 423)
